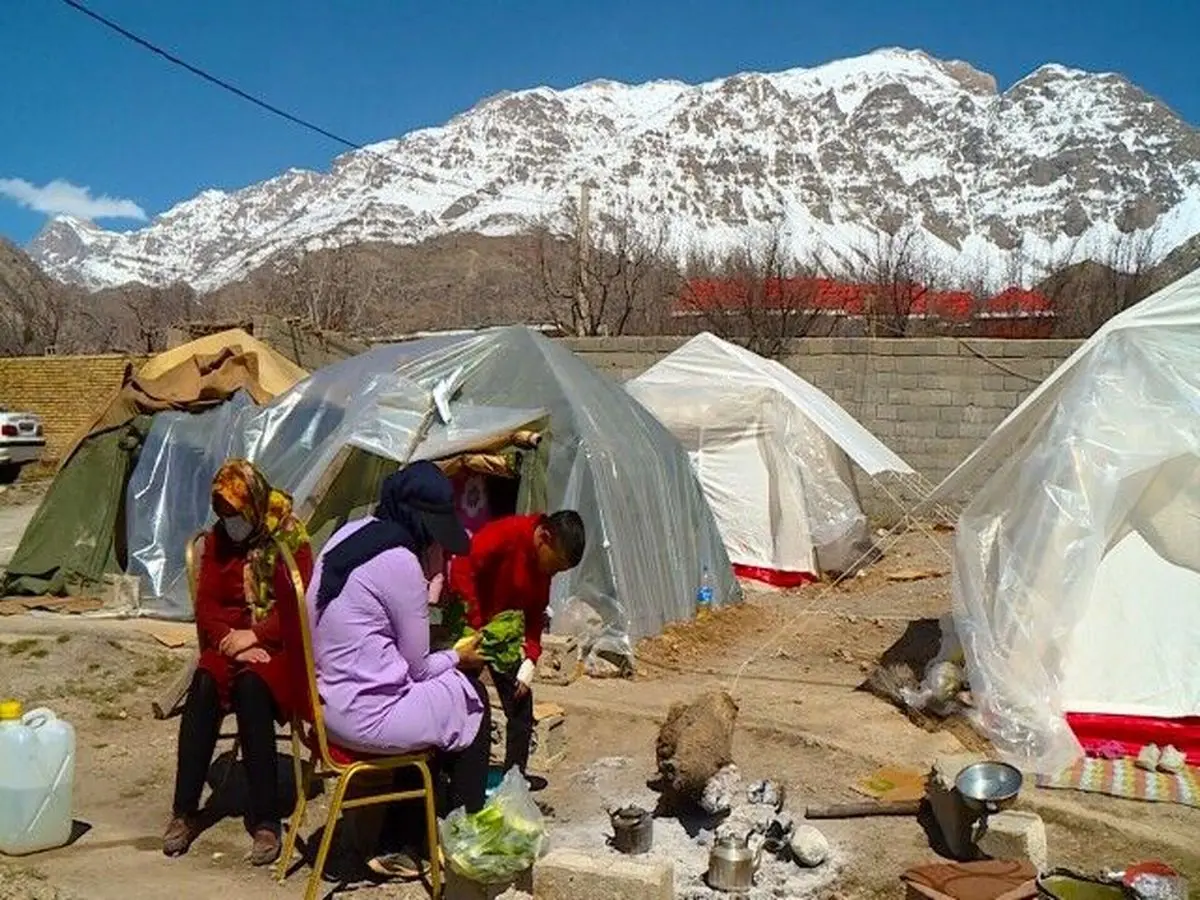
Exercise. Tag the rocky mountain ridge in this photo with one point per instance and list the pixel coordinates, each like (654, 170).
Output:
(1055, 169)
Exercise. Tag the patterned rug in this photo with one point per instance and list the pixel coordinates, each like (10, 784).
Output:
(1121, 778)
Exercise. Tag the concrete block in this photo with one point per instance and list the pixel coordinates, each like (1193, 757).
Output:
(953, 819)
(561, 661)
(563, 874)
(547, 748)
(1015, 834)
(456, 887)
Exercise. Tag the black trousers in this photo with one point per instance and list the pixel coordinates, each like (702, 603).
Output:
(198, 730)
(460, 779)
(519, 717)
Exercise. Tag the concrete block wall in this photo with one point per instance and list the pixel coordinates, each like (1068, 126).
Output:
(932, 400)
(68, 392)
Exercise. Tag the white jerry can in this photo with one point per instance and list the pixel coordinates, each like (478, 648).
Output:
(37, 779)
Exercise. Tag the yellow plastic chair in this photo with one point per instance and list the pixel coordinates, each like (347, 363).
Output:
(328, 762)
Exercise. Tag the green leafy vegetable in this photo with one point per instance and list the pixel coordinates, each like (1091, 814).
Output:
(495, 844)
(502, 640)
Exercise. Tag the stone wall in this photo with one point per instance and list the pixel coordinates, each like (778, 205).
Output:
(932, 400)
(68, 392)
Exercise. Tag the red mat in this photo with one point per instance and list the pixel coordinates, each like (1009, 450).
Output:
(1131, 733)
(774, 577)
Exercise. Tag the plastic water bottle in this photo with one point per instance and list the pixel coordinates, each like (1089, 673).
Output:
(704, 595)
(37, 776)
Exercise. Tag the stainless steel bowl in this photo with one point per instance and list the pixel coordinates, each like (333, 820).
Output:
(989, 786)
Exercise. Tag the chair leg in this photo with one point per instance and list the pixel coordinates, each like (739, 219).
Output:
(331, 821)
(302, 781)
(431, 827)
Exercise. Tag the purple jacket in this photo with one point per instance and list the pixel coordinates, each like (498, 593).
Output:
(381, 689)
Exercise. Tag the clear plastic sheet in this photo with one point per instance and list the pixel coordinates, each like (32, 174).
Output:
(1077, 564)
(650, 532)
(772, 452)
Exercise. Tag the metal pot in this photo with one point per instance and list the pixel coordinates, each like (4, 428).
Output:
(633, 830)
(989, 787)
(732, 865)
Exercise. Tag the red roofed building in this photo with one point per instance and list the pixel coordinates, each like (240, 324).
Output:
(845, 308)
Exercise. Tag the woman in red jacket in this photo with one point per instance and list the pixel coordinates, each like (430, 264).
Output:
(242, 667)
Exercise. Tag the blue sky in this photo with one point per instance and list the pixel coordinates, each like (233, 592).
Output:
(94, 124)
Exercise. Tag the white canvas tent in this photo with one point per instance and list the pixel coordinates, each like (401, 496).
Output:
(1077, 562)
(773, 454)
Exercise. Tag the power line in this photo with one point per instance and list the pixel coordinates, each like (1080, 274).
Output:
(212, 79)
(284, 114)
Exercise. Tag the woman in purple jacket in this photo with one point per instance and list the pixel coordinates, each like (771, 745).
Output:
(382, 690)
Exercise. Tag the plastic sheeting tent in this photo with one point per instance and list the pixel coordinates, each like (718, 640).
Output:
(650, 532)
(1077, 563)
(773, 454)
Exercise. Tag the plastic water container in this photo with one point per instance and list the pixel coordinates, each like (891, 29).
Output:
(37, 779)
(704, 595)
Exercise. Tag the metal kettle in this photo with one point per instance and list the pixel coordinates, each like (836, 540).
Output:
(732, 865)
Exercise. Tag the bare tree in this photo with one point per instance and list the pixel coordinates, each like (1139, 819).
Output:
(604, 276)
(897, 274)
(325, 289)
(150, 312)
(760, 295)
(1086, 294)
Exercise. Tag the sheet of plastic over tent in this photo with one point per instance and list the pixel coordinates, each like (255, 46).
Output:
(650, 532)
(361, 402)
(1077, 565)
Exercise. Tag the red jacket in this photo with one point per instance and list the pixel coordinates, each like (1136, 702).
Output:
(221, 608)
(501, 573)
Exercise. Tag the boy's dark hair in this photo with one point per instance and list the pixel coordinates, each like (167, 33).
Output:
(565, 528)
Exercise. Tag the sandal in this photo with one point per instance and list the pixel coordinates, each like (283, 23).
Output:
(180, 833)
(265, 849)
(402, 864)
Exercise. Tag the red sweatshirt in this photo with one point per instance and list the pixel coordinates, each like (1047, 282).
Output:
(501, 573)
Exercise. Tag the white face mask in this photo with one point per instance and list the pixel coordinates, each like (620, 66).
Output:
(237, 528)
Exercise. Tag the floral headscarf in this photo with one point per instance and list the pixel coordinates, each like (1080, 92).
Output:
(243, 487)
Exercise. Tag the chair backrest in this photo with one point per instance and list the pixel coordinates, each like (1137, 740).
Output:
(297, 643)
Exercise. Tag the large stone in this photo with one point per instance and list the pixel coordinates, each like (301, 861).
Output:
(953, 818)
(561, 661)
(1015, 834)
(695, 743)
(564, 874)
(809, 846)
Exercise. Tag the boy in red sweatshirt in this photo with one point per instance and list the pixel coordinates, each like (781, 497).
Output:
(509, 567)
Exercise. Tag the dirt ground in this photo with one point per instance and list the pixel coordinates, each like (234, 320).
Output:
(795, 662)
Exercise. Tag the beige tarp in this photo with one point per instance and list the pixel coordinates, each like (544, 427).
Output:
(195, 376)
(276, 373)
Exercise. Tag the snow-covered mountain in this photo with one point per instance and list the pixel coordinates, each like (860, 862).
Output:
(1060, 163)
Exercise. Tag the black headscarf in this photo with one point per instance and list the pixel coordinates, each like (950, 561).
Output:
(415, 511)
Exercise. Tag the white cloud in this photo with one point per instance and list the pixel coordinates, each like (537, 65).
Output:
(63, 198)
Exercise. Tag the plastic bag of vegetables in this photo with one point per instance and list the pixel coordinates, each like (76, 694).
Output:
(502, 840)
(501, 642)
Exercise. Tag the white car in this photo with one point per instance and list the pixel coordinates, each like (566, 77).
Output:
(21, 442)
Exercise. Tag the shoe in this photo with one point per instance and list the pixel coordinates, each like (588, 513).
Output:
(398, 865)
(1171, 761)
(265, 849)
(179, 835)
(1148, 758)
